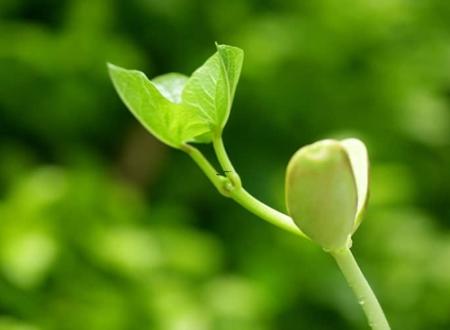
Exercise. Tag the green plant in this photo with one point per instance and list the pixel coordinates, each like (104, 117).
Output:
(326, 182)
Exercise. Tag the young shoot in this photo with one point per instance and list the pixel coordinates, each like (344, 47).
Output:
(326, 182)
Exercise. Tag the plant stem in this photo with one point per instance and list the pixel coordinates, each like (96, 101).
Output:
(240, 195)
(230, 186)
(218, 181)
(366, 297)
(265, 212)
(225, 162)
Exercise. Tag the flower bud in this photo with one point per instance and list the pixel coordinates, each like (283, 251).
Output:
(326, 190)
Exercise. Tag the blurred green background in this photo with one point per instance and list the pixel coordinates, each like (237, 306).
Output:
(104, 228)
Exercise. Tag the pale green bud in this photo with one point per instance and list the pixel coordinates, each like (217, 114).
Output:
(326, 190)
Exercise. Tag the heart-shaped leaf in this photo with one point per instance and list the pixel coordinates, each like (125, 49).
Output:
(212, 86)
(178, 109)
(156, 105)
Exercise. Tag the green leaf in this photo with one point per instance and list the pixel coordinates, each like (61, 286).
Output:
(177, 109)
(359, 159)
(171, 85)
(232, 59)
(211, 88)
(321, 194)
(156, 105)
